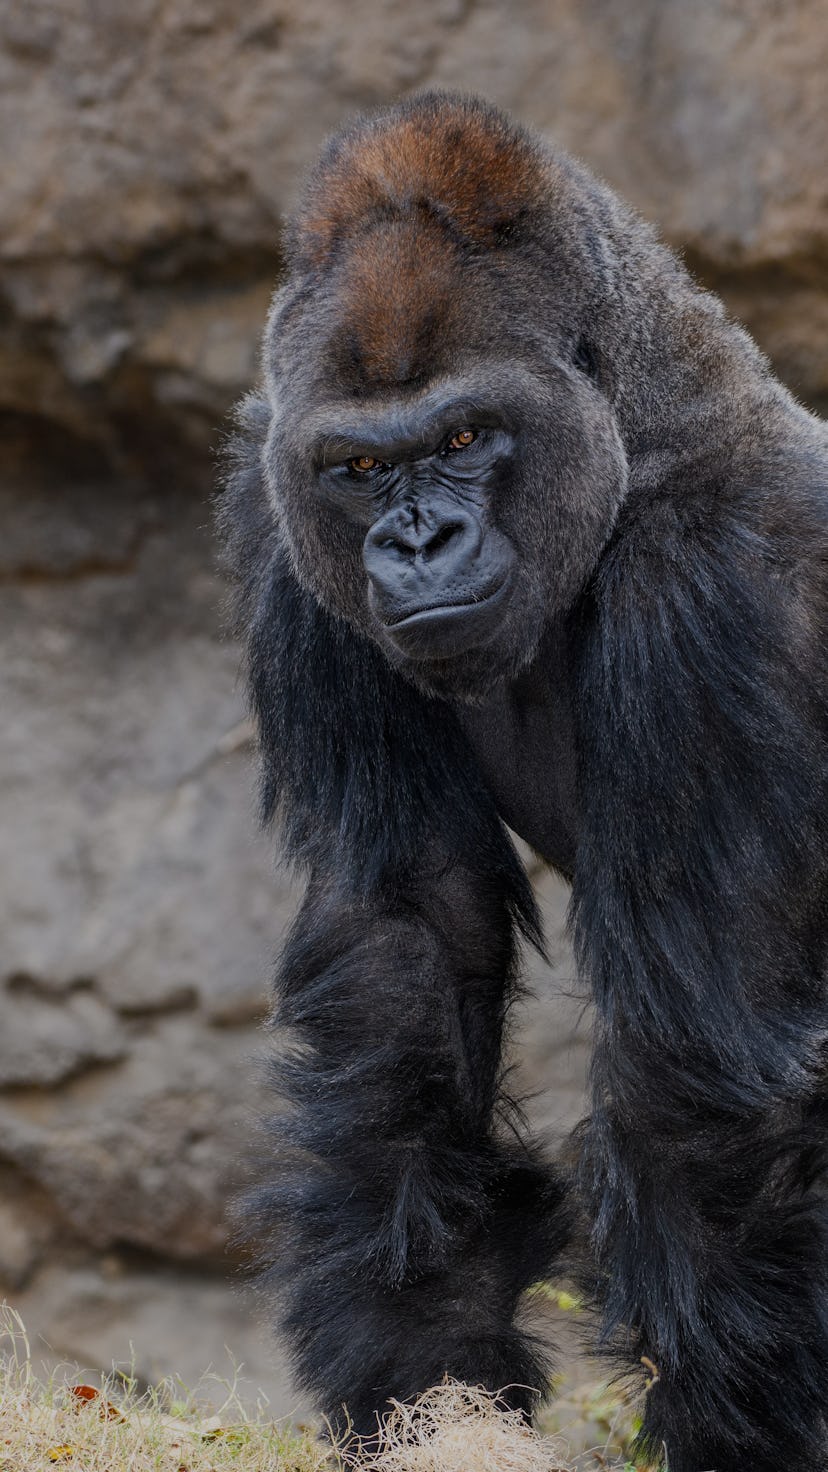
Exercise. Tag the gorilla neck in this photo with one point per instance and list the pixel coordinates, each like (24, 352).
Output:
(523, 736)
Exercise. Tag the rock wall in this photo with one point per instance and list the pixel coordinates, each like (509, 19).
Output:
(140, 909)
(155, 145)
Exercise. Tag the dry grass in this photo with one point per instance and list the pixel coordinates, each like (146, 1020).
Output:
(455, 1428)
(63, 1425)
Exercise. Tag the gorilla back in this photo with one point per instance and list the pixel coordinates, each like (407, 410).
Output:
(525, 530)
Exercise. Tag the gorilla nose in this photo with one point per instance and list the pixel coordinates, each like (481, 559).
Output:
(439, 577)
(422, 557)
(424, 540)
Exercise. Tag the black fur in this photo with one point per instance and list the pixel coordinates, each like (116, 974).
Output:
(404, 1202)
(677, 702)
(699, 909)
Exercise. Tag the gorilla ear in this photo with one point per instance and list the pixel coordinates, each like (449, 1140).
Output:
(585, 359)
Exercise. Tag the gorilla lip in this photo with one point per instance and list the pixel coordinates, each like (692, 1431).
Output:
(446, 629)
(447, 607)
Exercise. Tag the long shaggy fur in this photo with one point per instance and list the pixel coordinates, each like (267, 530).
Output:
(669, 509)
(395, 1199)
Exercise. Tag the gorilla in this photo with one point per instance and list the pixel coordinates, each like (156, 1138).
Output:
(526, 533)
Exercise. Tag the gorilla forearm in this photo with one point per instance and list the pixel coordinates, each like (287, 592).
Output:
(711, 1267)
(396, 1198)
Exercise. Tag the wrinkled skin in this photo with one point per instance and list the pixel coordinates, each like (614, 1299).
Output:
(526, 532)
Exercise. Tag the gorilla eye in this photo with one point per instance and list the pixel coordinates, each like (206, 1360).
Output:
(462, 439)
(363, 463)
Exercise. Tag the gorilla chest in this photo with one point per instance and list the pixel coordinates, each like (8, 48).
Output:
(524, 741)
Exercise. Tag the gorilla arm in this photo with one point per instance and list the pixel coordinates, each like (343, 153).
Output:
(403, 1228)
(697, 904)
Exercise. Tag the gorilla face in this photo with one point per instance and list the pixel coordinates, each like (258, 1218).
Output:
(450, 524)
(439, 571)
(422, 479)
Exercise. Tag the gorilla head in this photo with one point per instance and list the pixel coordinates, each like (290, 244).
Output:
(441, 460)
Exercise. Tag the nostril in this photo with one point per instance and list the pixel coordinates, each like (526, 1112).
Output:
(389, 542)
(441, 538)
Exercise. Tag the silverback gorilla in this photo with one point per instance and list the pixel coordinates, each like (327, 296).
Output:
(527, 533)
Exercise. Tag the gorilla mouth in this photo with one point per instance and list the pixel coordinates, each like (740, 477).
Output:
(447, 607)
(441, 630)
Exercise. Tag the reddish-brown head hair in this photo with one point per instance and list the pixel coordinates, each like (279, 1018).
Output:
(399, 207)
(453, 157)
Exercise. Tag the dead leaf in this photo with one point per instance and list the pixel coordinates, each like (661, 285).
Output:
(84, 1394)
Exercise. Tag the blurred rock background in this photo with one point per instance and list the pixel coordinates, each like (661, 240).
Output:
(150, 148)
